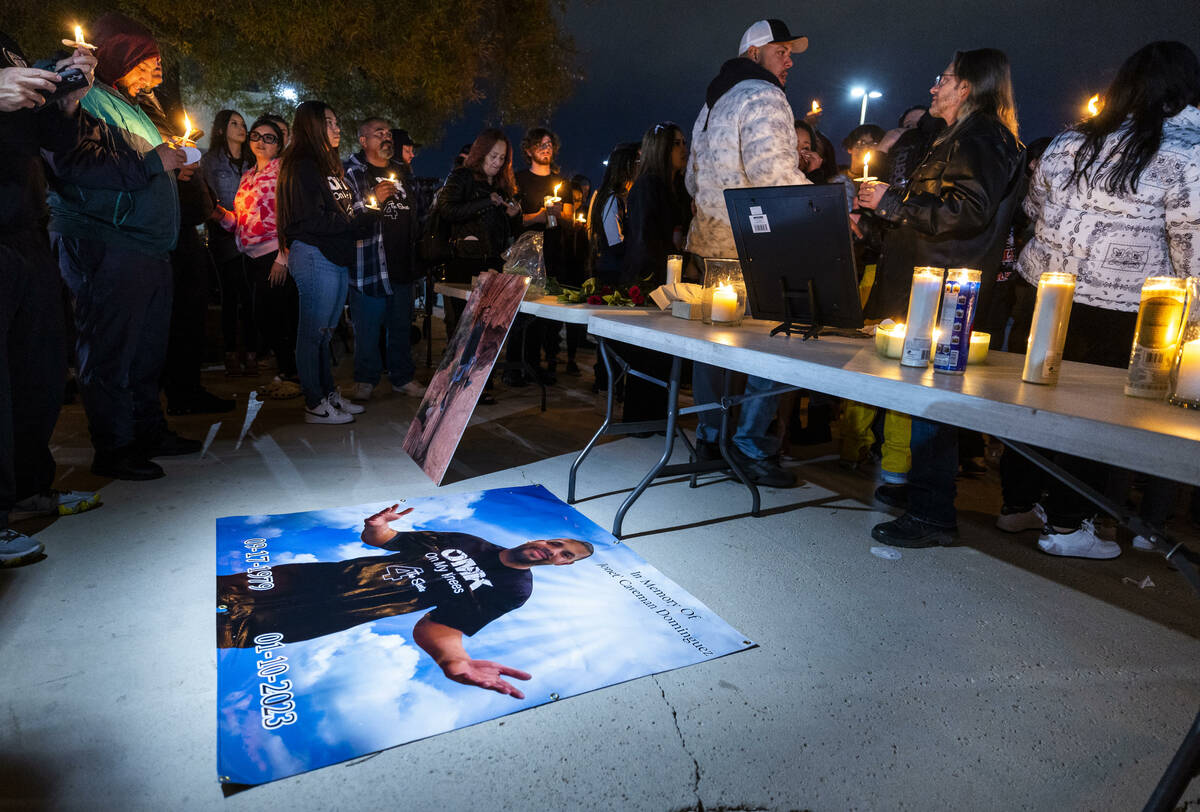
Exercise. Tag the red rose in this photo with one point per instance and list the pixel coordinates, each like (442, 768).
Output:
(595, 300)
(635, 292)
(639, 299)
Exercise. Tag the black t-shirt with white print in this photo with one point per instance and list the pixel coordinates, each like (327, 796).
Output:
(459, 575)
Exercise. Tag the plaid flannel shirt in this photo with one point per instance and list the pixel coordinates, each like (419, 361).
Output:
(370, 271)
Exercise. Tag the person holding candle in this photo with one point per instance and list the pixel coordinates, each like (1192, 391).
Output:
(958, 206)
(320, 222)
(546, 207)
(254, 224)
(744, 136)
(33, 365)
(381, 289)
(1114, 200)
(118, 269)
(227, 159)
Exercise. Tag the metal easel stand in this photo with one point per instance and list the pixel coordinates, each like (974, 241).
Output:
(1186, 763)
(672, 429)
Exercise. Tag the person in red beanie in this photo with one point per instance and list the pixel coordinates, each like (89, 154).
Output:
(114, 220)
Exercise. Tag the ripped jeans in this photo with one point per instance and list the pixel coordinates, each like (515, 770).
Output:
(322, 286)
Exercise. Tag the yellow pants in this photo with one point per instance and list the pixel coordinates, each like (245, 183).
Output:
(857, 438)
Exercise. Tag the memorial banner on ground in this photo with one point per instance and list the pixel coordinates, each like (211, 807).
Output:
(345, 631)
(466, 366)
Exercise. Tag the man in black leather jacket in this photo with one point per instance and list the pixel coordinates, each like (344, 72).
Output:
(959, 205)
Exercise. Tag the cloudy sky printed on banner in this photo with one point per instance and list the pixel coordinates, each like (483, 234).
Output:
(369, 687)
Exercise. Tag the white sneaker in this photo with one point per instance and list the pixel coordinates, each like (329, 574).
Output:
(362, 391)
(412, 389)
(326, 412)
(342, 405)
(1083, 543)
(54, 503)
(17, 548)
(1032, 519)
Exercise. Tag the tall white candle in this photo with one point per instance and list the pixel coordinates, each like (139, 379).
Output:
(674, 269)
(1043, 359)
(1187, 384)
(922, 312)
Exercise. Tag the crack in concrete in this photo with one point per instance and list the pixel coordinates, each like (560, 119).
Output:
(683, 743)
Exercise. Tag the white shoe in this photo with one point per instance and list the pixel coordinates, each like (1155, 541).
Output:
(326, 412)
(54, 503)
(1083, 543)
(17, 548)
(362, 391)
(412, 389)
(1032, 519)
(342, 405)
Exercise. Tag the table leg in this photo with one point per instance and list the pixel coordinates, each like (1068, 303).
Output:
(608, 415)
(672, 416)
(723, 441)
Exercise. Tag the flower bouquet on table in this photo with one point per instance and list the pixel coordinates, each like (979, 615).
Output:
(592, 292)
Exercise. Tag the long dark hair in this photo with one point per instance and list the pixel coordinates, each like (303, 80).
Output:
(480, 147)
(218, 142)
(1154, 84)
(988, 72)
(657, 144)
(308, 141)
(621, 170)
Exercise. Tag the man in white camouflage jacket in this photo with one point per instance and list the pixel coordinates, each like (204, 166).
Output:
(744, 136)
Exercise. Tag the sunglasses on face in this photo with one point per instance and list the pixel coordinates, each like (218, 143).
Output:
(266, 138)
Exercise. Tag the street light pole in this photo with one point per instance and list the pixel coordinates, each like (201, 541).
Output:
(866, 94)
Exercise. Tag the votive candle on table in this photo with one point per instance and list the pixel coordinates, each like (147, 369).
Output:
(1183, 386)
(724, 304)
(922, 314)
(1156, 337)
(674, 268)
(889, 340)
(1048, 332)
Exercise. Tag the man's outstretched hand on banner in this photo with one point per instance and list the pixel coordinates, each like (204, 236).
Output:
(375, 529)
(485, 674)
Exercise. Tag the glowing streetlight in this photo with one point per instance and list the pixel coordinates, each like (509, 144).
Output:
(864, 94)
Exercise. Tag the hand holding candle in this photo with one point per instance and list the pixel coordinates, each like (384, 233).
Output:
(79, 42)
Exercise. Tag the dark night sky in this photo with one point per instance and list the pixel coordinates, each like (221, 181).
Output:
(647, 62)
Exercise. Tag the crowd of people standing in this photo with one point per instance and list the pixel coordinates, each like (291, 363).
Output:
(294, 233)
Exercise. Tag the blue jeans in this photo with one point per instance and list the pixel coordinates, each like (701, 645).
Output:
(754, 416)
(931, 488)
(391, 313)
(322, 286)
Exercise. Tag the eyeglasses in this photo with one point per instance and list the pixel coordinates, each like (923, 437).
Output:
(942, 77)
(547, 144)
(864, 144)
(266, 138)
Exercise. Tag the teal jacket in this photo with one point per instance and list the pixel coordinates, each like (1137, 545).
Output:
(112, 186)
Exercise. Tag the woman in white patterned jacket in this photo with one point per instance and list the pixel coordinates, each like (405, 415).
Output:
(1115, 199)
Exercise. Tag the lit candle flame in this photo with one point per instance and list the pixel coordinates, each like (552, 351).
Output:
(866, 164)
(1093, 105)
(187, 127)
(78, 42)
(816, 106)
(79, 33)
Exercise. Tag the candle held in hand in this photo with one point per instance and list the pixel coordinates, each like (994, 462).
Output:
(866, 175)
(78, 42)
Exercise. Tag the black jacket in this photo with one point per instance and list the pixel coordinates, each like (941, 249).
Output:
(465, 202)
(321, 212)
(22, 134)
(653, 217)
(959, 201)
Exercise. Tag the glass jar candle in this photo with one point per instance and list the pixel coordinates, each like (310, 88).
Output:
(1156, 337)
(1183, 383)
